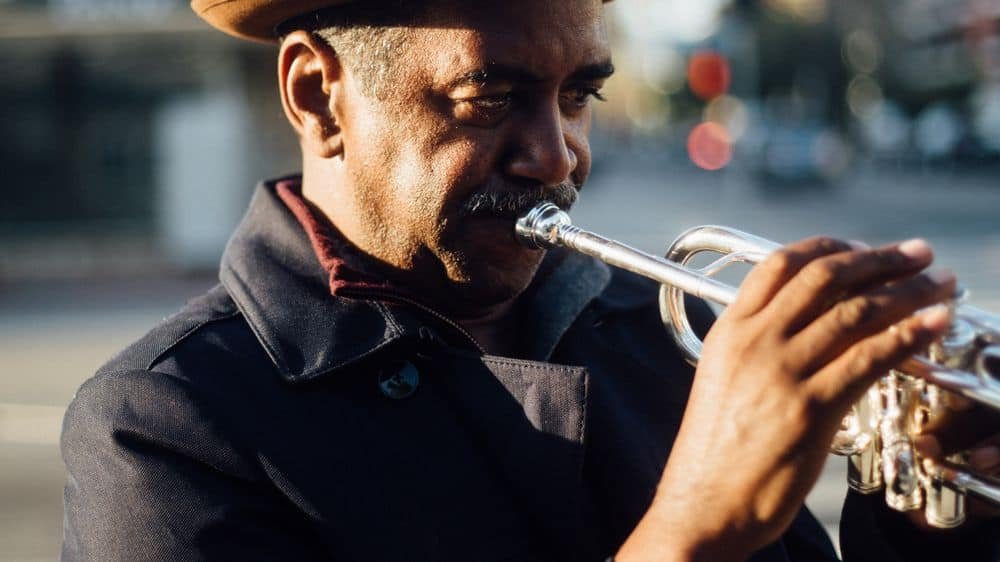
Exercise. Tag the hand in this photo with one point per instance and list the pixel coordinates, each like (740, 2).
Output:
(806, 336)
(975, 430)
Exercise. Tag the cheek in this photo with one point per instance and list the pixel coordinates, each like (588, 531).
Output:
(432, 169)
(458, 167)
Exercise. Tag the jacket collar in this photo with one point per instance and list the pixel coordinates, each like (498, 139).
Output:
(275, 279)
(273, 275)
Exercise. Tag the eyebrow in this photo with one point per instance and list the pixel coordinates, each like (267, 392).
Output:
(496, 72)
(598, 71)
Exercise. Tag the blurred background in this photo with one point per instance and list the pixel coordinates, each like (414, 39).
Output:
(131, 136)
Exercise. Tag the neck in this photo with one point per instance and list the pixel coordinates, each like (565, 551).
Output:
(495, 331)
(319, 178)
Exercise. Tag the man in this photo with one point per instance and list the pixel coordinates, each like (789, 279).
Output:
(385, 374)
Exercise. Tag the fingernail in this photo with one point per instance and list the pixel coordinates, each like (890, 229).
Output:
(858, 245)
(941, 276)
(984, 458)
(936, 318)
(915, 249)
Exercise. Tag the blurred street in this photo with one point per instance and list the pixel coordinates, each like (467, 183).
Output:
(54, 335)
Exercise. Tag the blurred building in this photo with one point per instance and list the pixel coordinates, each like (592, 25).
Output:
(130, 136)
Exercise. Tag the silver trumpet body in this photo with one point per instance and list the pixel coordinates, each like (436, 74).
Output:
(877, 434)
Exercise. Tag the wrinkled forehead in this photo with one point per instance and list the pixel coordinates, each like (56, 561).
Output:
(546, 38)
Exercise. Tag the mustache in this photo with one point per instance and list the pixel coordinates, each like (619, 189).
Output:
(514, 204)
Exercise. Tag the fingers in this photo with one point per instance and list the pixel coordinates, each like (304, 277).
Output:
(985, 459)
(770, 275)
(862, 316)
(842, 381)
(982, 460)
(954, 431)
(829, 279)
(928, 446)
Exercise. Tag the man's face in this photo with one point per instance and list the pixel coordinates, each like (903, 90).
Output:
(492, 99)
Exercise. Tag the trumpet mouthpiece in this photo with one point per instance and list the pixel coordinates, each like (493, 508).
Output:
(539, 228)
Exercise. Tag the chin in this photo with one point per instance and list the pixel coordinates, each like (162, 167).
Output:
(501, 278)
(487, 264)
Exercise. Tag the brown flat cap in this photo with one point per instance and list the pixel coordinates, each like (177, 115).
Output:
(257, 19)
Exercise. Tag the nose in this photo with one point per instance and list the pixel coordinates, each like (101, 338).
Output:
(545, 151)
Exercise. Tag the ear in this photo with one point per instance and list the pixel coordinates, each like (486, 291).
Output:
(310, 78)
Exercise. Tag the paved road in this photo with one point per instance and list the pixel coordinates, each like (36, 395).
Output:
(53, 335)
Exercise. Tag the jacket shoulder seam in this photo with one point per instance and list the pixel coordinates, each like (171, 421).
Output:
(151, 348)
(180, 339)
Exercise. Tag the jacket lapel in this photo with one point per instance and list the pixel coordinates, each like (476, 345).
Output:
(529, 418)
(529, 415)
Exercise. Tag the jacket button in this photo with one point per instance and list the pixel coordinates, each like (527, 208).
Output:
(401, 383)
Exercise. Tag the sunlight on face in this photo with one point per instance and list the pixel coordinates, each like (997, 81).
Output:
(494, 101)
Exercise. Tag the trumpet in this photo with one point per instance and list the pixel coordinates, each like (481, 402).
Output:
(877, 434)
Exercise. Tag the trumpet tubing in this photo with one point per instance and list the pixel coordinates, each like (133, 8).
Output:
(877, 435)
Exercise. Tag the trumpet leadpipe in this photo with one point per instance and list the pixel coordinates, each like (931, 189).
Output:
(548, 226)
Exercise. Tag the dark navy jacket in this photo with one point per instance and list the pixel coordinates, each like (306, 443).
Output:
(269, 420)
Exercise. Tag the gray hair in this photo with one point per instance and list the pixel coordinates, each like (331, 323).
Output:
(368, 37)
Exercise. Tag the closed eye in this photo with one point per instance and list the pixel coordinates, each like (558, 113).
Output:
(492, 103)
(484, 111)
(579, 97)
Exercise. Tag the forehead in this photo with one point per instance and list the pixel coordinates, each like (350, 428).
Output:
(549, 39)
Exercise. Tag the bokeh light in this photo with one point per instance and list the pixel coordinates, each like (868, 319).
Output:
(731, 113)
(808, 11)
(832, 154)
(886, 128)
(986, 109)
(646, 110)
(937, 130)
(862, 51)
(709, 146)
(708, 74)
(663, 70)
(679, 21)
(864, 95)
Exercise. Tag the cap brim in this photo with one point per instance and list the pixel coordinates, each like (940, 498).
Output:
(257, 20)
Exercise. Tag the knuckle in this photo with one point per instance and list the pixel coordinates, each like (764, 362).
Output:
(782, 263)
(829, 245)
(788, 366)
(925, 286)
(860, 362)
(904, 334)
(822, 273)
(856, 312)
(890, 258)
(917, 291)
